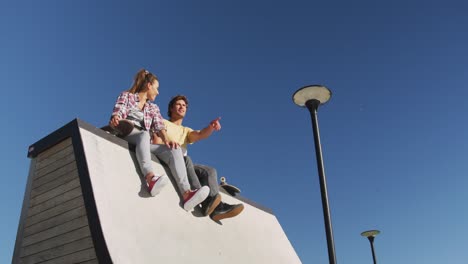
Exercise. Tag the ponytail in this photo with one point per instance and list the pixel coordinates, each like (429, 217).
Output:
(141, 79)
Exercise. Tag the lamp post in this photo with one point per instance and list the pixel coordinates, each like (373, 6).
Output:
(371, 235)
(312, 96)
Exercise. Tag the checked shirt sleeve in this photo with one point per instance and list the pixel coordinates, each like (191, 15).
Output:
(121, 105)
(157, 123)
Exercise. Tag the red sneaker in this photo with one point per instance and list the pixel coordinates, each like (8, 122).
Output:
(156, 184)
(195, 197)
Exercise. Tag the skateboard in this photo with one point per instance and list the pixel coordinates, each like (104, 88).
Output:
(231, 189)
(121, 130)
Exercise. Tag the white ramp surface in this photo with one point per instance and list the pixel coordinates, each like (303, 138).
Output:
(141, 229)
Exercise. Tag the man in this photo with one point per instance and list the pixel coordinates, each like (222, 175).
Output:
(198, 174)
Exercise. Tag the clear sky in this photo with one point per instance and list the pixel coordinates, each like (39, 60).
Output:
(393, 136)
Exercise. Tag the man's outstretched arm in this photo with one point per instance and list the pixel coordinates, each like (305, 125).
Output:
(214, 125)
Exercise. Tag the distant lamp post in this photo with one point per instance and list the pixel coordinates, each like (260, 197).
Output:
(371, 235)
(312, 96)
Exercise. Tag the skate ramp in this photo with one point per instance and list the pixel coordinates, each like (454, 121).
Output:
(112, 219)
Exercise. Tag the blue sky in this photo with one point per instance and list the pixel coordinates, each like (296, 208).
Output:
(393, 134)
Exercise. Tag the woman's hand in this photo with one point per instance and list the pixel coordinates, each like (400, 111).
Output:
(114, 122)
(171, 144)
(167, 140)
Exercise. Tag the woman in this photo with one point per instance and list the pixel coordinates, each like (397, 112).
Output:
(135, 105)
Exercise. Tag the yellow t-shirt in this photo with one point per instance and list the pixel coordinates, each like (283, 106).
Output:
(178, 133)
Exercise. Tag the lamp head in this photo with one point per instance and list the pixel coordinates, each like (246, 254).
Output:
(307, 93)
(370, 233)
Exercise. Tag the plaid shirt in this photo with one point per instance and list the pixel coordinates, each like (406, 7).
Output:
(151, 113)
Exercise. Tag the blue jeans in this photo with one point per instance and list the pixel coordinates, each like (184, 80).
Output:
(173, 158)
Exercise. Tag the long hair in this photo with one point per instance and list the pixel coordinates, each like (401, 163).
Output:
(141, 79)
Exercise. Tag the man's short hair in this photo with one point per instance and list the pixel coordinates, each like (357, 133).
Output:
(174, 100)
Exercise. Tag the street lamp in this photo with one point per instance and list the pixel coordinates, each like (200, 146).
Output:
(312, 96)
(370, 235)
